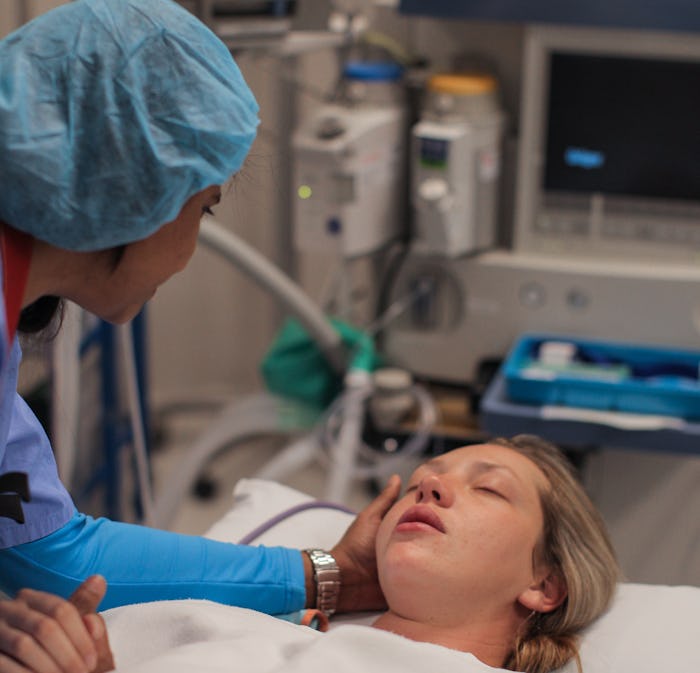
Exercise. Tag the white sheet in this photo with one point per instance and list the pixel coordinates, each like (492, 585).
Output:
(188, 636)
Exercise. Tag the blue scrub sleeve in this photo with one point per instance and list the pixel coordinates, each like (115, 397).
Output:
(144, 564)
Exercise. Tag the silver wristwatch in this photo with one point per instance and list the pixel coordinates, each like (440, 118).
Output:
(327, 578)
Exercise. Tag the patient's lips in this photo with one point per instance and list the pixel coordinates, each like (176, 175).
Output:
(420, 518)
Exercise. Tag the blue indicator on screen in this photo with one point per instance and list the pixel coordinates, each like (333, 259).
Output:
(580, 157)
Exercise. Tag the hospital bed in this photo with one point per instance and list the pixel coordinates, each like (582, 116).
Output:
(649, 628)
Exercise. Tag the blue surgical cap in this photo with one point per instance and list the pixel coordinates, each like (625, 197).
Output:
(112, 114)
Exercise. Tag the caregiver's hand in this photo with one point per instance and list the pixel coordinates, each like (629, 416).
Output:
(43, 633)
(86, 598)
(356, 555)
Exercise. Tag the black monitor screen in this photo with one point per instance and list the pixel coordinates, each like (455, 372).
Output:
(625, 126)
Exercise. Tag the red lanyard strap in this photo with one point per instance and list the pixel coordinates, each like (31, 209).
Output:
(16, 255)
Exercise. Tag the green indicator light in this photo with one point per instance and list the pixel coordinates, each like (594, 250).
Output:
(304, 192)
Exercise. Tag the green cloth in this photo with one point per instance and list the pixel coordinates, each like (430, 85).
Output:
(295, 367)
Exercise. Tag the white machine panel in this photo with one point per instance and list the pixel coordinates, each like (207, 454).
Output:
(470, 310)
(349, 178)
(455, 171)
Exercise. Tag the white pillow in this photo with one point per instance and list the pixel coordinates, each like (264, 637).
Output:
(648, 629)
(257, 502)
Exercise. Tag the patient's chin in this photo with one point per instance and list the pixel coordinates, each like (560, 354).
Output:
(420, 551)
(406, 574)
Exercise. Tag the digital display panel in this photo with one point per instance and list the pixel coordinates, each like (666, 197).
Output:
(434, 152)
(623, 126)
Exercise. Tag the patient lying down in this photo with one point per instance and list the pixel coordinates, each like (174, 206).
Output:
(493, 550)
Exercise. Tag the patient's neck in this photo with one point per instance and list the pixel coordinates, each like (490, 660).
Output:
(489, 641)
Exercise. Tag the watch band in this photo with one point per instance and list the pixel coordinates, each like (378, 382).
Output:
(327, 578)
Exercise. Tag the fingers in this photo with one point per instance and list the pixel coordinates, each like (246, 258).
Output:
(46, 634)
(96, 626)
(60, 630)
(9, 665)
(42, 633)
(383, 502)
(356, 556)
(86, 599)
(89, 594)
(19, 652)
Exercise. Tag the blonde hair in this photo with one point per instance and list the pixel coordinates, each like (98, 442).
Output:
(574, 544)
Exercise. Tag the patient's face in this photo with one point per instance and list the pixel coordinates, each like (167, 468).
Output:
(463, 534)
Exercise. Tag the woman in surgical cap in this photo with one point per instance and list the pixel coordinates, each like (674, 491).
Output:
(119, 121)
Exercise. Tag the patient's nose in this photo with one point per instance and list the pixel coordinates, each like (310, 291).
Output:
(434, 488)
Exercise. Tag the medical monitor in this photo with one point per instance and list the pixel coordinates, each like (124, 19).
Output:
(609, 156)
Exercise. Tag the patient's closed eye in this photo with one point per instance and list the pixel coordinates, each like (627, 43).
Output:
(490, 490)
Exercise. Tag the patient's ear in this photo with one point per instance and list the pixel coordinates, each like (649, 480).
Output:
(545, 594)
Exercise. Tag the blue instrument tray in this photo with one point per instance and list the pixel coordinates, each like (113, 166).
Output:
(605, 375)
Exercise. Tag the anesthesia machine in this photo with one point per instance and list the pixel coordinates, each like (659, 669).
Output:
(607, 210)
